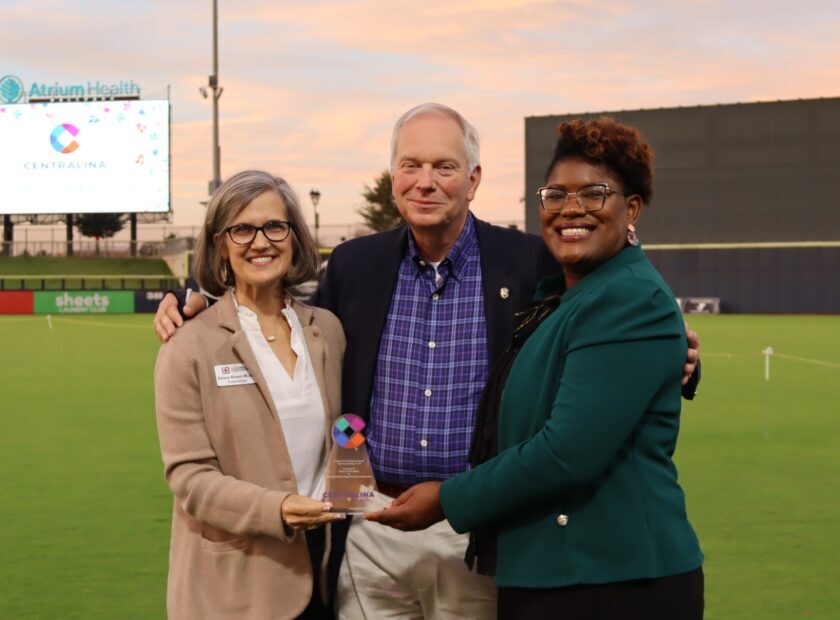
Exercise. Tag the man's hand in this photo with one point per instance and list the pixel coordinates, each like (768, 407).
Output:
(304, 513)
(693, 354)
(416, 509)
(167, 318)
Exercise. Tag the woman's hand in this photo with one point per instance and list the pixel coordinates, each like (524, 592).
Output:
(416, 509)
(304, 513)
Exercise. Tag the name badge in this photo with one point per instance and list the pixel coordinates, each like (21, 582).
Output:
(232, 374)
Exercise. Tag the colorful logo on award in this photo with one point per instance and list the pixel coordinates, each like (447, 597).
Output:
(347, 431)
(63, 137)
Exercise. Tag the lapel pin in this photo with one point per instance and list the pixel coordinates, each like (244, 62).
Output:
(504, 292)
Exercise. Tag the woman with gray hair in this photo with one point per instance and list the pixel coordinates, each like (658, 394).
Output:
(245, 395)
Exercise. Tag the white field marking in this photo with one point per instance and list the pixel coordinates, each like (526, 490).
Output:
(807, 361)
(782, 355)
(49, 321)
(31, 318)
(99, 324)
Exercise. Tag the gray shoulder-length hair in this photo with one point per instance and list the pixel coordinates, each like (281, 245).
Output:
(211, 270)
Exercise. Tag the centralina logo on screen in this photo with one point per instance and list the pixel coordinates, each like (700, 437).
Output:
(11, 89)
(63, 138)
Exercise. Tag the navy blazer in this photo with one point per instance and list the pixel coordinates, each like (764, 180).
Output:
(362, 273)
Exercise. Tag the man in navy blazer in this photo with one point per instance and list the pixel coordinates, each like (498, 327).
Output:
(442, 255)
(359, 284)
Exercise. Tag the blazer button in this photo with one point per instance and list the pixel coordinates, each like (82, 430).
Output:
(562, 520)
(316, 331)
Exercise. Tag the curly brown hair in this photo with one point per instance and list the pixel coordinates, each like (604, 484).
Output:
(606, 142)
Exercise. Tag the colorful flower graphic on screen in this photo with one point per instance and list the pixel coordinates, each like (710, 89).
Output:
(347, 431)
(63, 138)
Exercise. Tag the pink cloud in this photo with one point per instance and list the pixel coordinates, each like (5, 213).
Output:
(311, 89)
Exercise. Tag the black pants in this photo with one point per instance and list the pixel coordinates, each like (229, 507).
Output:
(679, 597)
(316, 610)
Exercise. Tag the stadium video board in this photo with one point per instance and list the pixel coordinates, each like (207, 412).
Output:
(85, 157)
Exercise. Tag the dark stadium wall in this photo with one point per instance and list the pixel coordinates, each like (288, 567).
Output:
(756, 280)
(733, 174)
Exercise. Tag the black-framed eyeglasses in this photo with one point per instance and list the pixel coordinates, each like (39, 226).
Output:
(274, 230)
(590, 197)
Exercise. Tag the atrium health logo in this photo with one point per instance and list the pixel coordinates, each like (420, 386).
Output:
(63, 137)
(11, 89)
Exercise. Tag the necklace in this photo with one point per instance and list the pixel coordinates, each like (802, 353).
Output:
(268, 337)
(271, 337)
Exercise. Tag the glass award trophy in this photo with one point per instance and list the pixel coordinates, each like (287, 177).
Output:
(350, 484)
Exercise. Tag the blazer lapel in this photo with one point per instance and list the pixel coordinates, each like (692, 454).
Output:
(242, 349)
(365, 332)
(229, 319)
(501, 291)
(317, 350)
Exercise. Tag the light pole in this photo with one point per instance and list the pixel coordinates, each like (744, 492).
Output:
(213, 83)
(315, 197)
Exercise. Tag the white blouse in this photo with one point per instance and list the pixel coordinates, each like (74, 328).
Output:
(297, 400)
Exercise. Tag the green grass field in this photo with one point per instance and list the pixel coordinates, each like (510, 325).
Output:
(43, 265)
(85, 512)
(155, 271)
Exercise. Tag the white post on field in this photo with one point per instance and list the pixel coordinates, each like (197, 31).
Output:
(49, 321)
(767, 353)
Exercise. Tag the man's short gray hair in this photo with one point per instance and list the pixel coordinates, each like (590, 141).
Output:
(471, 144)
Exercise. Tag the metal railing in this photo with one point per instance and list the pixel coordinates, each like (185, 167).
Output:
(105, 248)
(60, 282)
(154, 241)
(86, 248)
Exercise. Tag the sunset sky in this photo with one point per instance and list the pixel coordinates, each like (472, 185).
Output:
(311, 89)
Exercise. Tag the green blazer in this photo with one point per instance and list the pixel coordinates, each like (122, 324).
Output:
(584, 490)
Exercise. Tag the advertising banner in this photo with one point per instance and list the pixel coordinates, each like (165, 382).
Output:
(84, 302)
(17, 302)
(76, 157)
(147, 301)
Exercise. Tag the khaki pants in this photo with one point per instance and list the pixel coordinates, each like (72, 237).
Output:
(410, 575)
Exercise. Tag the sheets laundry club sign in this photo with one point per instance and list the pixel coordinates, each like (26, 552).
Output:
(84, 302)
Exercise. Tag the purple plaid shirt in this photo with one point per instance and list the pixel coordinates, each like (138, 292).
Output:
(431, 367)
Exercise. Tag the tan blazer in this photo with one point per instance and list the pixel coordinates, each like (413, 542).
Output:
(225, 459)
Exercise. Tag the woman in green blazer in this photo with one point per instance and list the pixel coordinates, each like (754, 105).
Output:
(574, 499)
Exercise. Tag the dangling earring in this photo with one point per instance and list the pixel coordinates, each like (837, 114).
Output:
(225, 274)
(632, 237)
